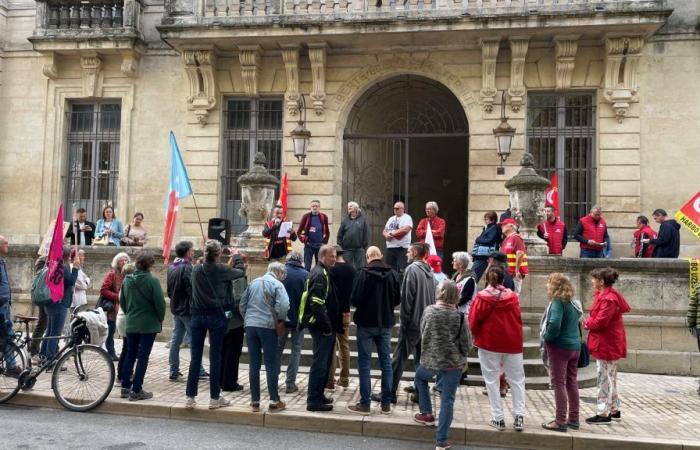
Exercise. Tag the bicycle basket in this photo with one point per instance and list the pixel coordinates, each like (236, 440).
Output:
(79, 331)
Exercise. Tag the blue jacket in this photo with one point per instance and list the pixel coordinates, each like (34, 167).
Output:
(69, 277)
(262, 296)
(5, 289)
(294, 284)
(117, 227)
(490, 237)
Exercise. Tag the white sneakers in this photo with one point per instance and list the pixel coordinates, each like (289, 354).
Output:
(190, 403)
(219, 403)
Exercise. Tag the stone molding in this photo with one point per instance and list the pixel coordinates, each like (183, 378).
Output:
(517, 91)
(249, 57)
(565, 51)
(317, 56)
(92, 69)
(622, 56)
(50, 66)
(290, 56)
(489, 54)
(130, 64)
(200, 65)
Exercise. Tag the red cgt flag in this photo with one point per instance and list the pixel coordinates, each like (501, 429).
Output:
(552, 194)
(689, 215)
(284, 193)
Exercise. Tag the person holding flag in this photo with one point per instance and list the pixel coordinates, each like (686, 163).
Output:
(179, 188)
(553, 230)
(431, 229)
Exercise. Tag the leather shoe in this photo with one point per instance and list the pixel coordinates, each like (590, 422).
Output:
(319, 408)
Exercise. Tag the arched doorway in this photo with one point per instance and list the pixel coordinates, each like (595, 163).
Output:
(407, 139)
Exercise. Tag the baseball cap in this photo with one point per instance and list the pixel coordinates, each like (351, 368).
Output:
(509, 221)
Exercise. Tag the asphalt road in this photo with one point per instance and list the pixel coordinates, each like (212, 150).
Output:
(33, 428)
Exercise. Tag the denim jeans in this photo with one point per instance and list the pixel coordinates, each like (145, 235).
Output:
(449, 381)
(215, 323)
(310, 253)
(586, 253)
(323, 348)
(181, 326)
(56, 315)
(297, 338)
(396, 258)
(138, 348)
(381, 337)
(262, 342)
(6, 333)
(355, 256)
(478, 268)
(109, 342)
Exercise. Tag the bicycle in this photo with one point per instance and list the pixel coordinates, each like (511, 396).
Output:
(83, 374)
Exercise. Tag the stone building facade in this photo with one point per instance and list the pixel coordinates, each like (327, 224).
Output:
(400, 98)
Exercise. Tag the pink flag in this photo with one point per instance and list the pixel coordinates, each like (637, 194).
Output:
(54, 276)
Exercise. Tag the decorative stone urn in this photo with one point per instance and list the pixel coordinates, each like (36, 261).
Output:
(527, 204)
(258, 197)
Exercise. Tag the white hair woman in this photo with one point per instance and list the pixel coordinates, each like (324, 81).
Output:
(437, 227)
(109, 293)
(466, 284)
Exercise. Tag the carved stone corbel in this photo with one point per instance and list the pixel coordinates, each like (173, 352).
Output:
(622, 55)
(565, 52)
(290, 56)
(50, 65)
(489, 53)
(518, 52)
(130, 64)
(92, 68)
(249, 57)
(200, 65)
(317, 56)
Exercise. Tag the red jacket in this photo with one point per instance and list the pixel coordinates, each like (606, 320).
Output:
(496, 323)
(437, 226)
(555, 232)
(303, 230)
(647, 233)
(594, 231)
(606, 337)
(111, 284)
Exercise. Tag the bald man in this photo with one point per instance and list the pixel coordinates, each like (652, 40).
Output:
(5, 315)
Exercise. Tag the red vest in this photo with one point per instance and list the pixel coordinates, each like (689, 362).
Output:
(593, 231)
(555, 232)
(649, 234)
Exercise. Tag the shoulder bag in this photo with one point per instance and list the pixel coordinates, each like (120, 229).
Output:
(280, 327)
(103, 302)
(584, 357)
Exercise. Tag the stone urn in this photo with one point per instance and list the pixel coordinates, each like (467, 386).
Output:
(527, 204)
(258, 197)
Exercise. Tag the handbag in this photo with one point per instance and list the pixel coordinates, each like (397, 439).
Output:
(280, 327)
(102, 240)
(106, 304)
(584, 356)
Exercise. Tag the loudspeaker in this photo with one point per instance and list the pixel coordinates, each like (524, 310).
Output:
(219, 229)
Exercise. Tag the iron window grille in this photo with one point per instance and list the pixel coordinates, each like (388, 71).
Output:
(93, 157)
(250, 125)
(561, 137)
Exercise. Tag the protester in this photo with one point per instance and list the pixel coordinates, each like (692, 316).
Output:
(265, 305)
(109, 291)
(417, 293)
(437, 226)
(562, 338)
(643, 233)
(6, 331)
(591, 233)
(553, 230)
(277, 246)
(179, 287)
(85, 228)
(294, 285)
(109, 227)
(501, 260)
(343, 277)
(210, 285)
(667, 243)
(694, 318)
(82, 283)
(375, 294)
(40, 326)
(445, 345)
(353, 236)
(496, 324)
(487, 243)
(144, 306)
(466, 283)
(320, 313)
(232, 345)
(516, 252)
(313, 232)
(607, 342)
(135, 234)
(121, 328)
(397, 234)
(435, 263)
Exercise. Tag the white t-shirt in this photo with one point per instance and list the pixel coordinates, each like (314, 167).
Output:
(393, 224)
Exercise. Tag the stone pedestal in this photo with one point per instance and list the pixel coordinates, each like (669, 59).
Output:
(527, 204)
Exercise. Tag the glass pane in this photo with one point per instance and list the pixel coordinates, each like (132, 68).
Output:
(579, 110)
(238, 115)
(110, 119)
(270, 115)
(81, 118)
(545, 151)
(578, 177)
(542, 111)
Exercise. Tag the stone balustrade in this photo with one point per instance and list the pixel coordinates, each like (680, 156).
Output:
(93, 18)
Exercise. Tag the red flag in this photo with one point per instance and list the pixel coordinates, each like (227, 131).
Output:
(689, 215)
(54, 276)
(170, 221)
(552, 194)
(284, 192)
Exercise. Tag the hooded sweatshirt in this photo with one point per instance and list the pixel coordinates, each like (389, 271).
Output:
(495, 321)
(417, 292)
(375, 294)
(606, 337)
(668, 243)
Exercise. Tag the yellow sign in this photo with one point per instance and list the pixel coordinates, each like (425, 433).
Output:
(693, 275)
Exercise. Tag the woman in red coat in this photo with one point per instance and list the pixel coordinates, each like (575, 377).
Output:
(606, 341)
(111, 284)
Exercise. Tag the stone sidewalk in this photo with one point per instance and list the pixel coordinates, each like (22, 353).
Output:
(659, 412)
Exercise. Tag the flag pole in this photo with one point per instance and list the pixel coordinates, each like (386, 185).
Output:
(199, 219)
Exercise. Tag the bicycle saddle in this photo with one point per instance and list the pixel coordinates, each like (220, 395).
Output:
(21, 318)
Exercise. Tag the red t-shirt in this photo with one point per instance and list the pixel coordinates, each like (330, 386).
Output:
(510, 246)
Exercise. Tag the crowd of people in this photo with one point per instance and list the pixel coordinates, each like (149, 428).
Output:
(108, 231)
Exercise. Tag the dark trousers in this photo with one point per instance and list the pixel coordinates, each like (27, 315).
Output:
(310, 253)
(323, 347)
(230, 357)
(39, 331)
(355, 256)
(396, 258)
(586, 253)
(109, 343)
(122, 357)
(262, 344)
(56, 319)
(478, 268)
(215, 323)
(563, 367)
(408, 344)
(139, 348)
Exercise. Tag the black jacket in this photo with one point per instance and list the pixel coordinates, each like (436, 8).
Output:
(668, 242)
(179, 281)
(294, 284)
(491, 236)
(89, 235)
(343, 276)
(375, 295)
(322, 311)
(354, 233)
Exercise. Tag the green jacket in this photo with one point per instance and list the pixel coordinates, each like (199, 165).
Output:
(562, 325)
(141, 297)
(694, 308)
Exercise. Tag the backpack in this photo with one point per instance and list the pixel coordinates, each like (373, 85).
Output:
(305, 317)
(41, 294)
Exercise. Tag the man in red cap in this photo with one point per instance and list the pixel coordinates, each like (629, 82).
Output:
(435, 263)
(516, 252)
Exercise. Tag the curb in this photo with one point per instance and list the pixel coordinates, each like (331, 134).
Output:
(375, 425)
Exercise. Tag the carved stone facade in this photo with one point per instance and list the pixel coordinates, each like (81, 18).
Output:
(317, 55)
(290, 55)
(489, 53)
(517, 92)
(622, 56)
(249, 57)
(566, 48)
(200, 65)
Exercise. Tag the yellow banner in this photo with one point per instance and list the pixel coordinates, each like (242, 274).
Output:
(688, 222)
(693, 275)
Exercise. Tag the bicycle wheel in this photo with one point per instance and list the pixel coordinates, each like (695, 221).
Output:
(12, 364)
(83, 378)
